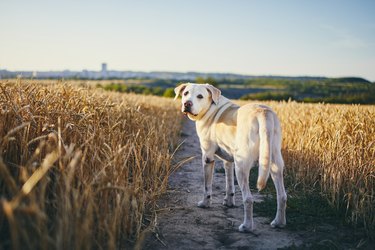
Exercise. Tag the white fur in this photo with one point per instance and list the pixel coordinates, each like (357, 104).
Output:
(241, 135)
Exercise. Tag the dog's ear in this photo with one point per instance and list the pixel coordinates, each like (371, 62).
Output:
(215, 92)
(179, 89)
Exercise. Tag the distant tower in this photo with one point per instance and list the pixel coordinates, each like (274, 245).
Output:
(104, 70)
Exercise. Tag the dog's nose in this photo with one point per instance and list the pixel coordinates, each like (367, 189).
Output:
(188, 104)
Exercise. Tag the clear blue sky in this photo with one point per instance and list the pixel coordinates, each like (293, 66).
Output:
(318, 38)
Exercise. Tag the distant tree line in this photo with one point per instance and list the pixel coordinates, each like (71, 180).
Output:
(138, 89)
(329, 90)
(158, 87)
(336, 90)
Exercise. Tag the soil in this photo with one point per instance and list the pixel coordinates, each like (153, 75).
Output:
(182, 225)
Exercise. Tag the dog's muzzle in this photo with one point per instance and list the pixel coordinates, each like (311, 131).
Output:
(187, 106)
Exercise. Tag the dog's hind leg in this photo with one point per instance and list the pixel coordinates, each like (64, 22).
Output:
(242, 167)
(277, 177)
(229, 184)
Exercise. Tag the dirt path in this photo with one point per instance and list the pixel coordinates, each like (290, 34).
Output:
(182, 225)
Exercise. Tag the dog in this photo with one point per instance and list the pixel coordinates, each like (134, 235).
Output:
(239, 135)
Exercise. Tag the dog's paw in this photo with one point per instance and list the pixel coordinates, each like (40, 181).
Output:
(204, 204)
(228, 203)
(245, 228)
(277, 224)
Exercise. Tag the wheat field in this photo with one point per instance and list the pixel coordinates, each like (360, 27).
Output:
(331, 149)
(80, 168)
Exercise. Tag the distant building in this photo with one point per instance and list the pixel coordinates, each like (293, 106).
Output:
(85, 73)
(104, 70)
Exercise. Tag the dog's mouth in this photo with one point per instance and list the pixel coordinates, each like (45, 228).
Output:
(187, 112)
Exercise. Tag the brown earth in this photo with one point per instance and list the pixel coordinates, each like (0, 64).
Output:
(180, 224)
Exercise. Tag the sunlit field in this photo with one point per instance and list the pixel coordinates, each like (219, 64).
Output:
(82, 168)
(79, 168)
(330, 149)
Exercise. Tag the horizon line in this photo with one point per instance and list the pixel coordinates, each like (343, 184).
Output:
(196, 72)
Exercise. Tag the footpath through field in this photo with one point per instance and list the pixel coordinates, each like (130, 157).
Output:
(182, 225)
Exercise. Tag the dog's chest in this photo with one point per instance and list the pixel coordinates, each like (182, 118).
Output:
(225, 136)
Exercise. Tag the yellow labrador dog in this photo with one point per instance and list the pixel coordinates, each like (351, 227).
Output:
(236, 134)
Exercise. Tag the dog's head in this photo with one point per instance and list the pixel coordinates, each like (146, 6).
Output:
(197, 98)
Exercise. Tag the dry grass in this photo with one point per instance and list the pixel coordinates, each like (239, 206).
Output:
(80, 168)
(331, 149)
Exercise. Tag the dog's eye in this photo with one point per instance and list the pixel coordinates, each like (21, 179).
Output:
(186, 93)
(200, 96)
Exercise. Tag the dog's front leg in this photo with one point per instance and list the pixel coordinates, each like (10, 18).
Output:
(208, 169)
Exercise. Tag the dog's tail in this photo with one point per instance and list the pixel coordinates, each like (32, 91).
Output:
(266, 131)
